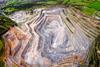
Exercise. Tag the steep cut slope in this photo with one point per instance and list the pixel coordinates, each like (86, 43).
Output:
(50, 37)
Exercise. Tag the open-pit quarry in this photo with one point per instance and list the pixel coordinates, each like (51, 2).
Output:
(53, 37)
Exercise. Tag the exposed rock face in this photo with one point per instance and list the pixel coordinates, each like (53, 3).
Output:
(49, 38)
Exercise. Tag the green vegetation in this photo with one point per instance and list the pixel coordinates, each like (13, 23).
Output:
(22, 6)
(9, 10)
(95, 5)
(5, 24)
(88, 7)
(1, 52)
(1, 44)
(2, 64)
(88, 11)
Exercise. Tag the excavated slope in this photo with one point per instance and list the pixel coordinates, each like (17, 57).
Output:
(49, 38)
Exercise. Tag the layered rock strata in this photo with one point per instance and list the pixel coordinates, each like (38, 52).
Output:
(49, 38)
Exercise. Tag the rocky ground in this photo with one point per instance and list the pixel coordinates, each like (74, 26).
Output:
(53, 37)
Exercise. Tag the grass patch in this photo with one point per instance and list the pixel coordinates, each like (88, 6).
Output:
(94, 5)
(88, 11)
(10, 10)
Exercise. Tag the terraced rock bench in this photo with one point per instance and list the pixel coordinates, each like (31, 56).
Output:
(53, 37)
